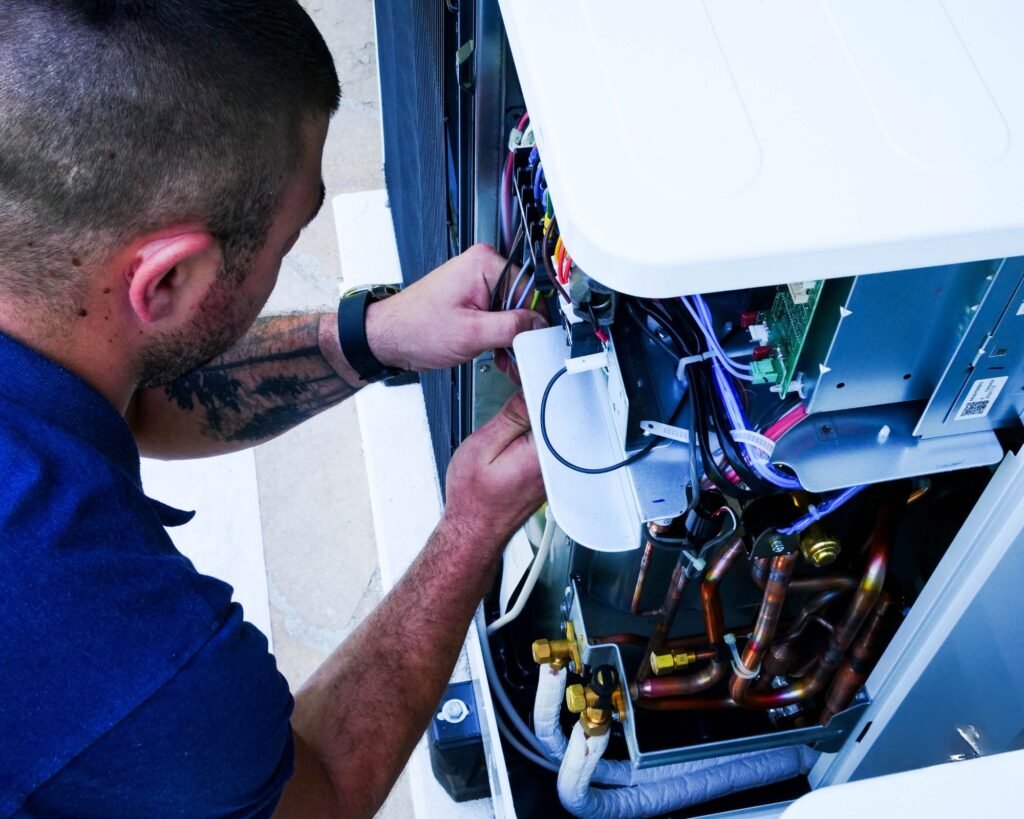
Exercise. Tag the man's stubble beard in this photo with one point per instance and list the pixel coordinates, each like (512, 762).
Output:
(223, 318)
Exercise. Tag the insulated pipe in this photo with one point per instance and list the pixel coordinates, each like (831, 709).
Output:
(547, 710)
(828, 661)
(714, 625)
(690, 783)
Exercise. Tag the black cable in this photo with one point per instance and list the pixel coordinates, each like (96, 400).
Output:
(495, 294)
(586, 470)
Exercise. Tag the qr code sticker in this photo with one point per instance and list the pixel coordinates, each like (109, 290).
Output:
(974, 408)
(980, 398)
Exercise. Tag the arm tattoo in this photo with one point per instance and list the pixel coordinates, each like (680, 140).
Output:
(272, 379)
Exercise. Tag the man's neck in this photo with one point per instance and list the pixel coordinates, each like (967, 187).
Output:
(94, 357)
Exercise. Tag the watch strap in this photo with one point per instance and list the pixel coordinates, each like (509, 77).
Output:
(352, 334)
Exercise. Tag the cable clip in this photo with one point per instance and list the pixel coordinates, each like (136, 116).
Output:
(697, 563)
(692, 359)
(738, 667)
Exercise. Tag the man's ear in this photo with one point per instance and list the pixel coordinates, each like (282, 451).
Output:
(169, 276)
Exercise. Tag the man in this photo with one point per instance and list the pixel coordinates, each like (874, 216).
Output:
(158, 158)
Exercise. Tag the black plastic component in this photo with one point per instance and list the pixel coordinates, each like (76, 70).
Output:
(582, 340)
(456, 747)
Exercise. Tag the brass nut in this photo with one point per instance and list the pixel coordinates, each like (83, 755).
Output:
(662, 663)
(818, 547)
(542, 651)
(596, 721)
(673, 661)
(576, 698)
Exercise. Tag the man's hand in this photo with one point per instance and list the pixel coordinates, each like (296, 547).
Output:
(357, 719)
(443, 320)
(494, 482)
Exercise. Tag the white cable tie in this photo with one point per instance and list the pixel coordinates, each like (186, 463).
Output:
(515, 139)
(697, 563)
(665, 431)
(754, 439)
(692, 359)
(738, 667)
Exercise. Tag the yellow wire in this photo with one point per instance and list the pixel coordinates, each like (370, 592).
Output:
(536, 298)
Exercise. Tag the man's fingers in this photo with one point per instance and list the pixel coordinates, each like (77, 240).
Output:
(511, 422)
(492, 331)
(489, 263)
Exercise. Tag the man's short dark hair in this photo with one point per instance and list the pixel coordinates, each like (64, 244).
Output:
(122, 116)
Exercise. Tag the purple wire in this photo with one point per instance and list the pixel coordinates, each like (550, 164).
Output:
(824, 508)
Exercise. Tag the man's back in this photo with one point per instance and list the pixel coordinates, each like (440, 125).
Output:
(117, 653)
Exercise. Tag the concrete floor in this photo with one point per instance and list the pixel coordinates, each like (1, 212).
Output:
(298, 508)
(321, 559)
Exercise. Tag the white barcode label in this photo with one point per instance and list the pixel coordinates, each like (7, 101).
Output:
(980, 398)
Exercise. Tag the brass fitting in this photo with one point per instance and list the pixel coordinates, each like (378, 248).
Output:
(558, 653)
(595, 716)
(671, 661)
(576, 698)
(818, 547)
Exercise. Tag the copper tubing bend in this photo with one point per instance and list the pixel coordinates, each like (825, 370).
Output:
(864, 600)
(714, 625)
(854, 670)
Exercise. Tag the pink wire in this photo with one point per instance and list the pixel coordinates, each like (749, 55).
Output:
(775, 432)
(506, 192)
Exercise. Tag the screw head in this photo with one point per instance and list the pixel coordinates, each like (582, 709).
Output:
(778, 546)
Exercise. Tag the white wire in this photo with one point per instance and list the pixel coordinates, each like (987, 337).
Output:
(709, 336)
(531, 579)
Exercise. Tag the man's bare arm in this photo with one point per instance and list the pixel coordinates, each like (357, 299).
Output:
(360, 715)
(279, 374)
(288, 368)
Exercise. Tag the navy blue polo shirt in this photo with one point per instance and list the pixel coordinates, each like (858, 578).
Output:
(129, 683)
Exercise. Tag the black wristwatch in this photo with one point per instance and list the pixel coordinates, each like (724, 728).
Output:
(352, 331)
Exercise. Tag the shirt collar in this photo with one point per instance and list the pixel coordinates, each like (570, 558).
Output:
(44, 388)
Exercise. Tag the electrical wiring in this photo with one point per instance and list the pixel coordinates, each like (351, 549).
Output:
(586, 470)
(713, 345)
(545, 253)
(536, 567)
(496, 298)
(816, 513)
(505, 198)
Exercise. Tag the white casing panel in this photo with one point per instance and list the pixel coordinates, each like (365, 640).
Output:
(701, 146)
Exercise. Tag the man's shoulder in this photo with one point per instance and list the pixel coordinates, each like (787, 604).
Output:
(100, 610)
(215, 739)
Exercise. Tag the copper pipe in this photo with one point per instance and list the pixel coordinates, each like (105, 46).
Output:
(856, 667)
(714, 626)
(667, 615)
(783, 653)
(685, 704)
(827, 582)
(641, 577)
(767, 621)
(832, 655)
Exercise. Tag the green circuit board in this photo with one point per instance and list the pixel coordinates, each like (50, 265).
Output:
(788, 322)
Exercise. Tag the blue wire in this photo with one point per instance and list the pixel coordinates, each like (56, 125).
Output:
(824, 508)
